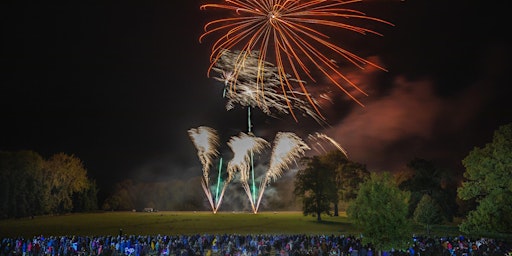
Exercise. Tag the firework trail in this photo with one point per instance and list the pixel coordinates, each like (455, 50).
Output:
(243, 147)
(249, 93)
(322, 143)
(287, 148)
(206, 141)
(285, 32)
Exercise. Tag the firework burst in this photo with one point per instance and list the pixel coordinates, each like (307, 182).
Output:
(247, 93)
(287, 32)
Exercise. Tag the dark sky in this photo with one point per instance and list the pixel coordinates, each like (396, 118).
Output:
(119, 83)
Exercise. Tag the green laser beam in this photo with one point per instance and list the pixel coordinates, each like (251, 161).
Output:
(218, 182)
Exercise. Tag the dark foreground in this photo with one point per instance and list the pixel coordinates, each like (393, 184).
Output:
(234, 245)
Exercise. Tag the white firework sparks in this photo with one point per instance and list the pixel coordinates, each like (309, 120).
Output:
(206, 141)
(287, 148)
(245, 87)
(243, 147)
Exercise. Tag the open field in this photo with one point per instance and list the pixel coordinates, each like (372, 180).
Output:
(186, 223)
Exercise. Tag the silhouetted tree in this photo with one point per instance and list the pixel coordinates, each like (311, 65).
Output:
(20, 192)
(334, 161)
(122, 197)
(426, 178)
(86, 200)
(487, 180)
(5, 180)
(348, 175)
(316, 186)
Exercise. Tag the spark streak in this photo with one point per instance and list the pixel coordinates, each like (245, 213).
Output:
(322, 143)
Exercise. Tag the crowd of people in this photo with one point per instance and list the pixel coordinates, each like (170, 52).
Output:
(235, 245)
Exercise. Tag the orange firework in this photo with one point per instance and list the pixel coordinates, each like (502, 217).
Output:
(286, 33)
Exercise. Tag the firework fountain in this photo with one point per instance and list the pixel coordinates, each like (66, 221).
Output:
(287, 148)
(244, 146)
(206, 141)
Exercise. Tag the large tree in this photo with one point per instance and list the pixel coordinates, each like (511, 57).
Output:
(380, 209)
(316, 186)
(334, 160)
(64, 175)
(20, 190)
(488, 181)
(31, 185)
(348, 175)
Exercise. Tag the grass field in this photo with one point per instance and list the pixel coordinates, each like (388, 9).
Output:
(186, 223)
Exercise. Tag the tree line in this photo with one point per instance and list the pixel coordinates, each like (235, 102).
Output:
(385, 205)
(31, 185)
(331, 179)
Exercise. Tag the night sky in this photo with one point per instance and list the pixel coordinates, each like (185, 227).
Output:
(119, 83)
